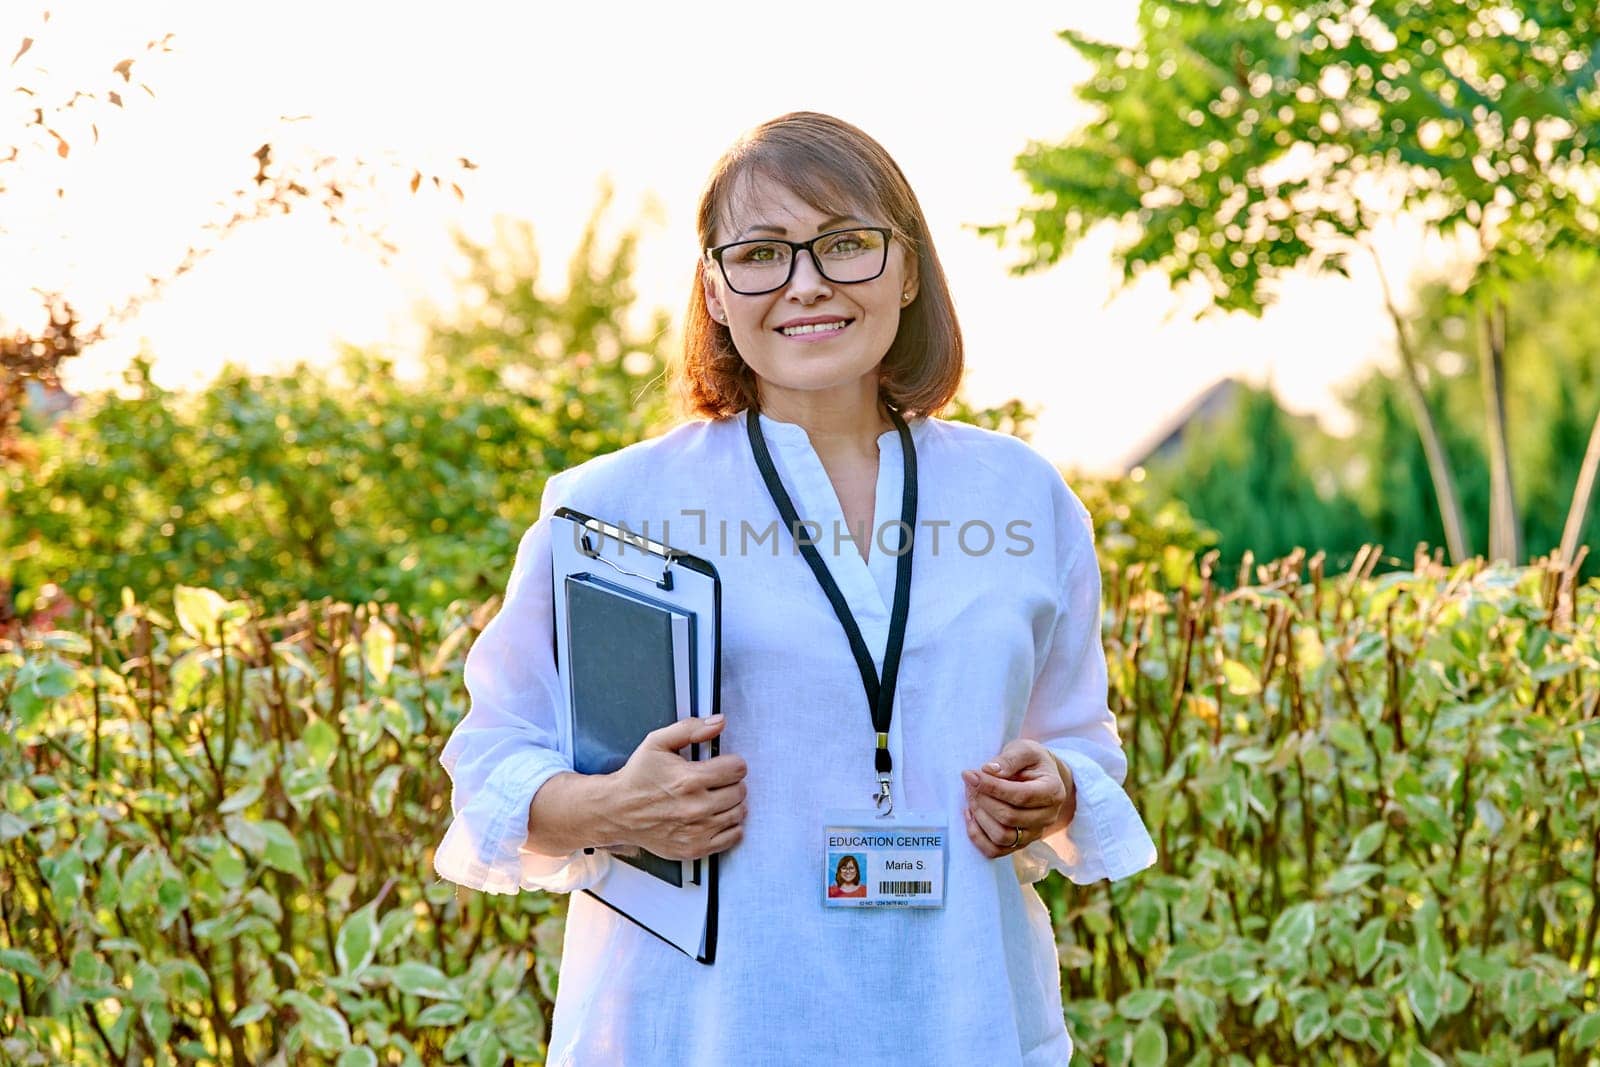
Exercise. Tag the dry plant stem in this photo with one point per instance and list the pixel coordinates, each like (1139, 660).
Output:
(1439, 470)
(1582, 496)
(1505, 534)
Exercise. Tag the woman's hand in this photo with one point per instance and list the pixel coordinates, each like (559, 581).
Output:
(675, 807)
(1025, 788)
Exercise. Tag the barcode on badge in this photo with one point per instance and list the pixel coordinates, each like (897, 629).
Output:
(904, 889)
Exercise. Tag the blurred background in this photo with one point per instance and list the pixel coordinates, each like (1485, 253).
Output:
(283, 242)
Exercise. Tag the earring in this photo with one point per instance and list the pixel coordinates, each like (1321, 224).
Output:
(906, 297)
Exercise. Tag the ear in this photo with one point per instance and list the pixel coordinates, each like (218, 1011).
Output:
(908, 288)
(708, 283)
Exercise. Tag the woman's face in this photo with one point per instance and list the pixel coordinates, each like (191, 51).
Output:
(848, 872)
(816, 361)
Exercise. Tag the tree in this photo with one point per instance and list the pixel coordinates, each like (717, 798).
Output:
(1248, 478)
(1557, 384)
(1238, 141)
(349, 483)
(51, 128)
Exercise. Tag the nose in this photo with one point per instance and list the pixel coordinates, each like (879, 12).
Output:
(806, 282)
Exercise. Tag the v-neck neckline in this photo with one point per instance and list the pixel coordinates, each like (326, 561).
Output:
(867, 584)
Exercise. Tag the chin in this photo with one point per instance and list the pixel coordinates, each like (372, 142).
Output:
(815, 378)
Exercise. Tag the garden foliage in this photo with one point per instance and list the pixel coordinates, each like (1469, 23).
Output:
(1375, 801)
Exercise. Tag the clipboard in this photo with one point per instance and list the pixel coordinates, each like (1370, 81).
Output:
(589, 556)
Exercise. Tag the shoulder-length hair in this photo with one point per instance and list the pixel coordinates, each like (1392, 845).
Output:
(839, 170)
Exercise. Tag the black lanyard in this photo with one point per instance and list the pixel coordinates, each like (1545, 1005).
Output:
(880, 696)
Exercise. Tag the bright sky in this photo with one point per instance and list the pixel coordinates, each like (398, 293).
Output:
(552, 99)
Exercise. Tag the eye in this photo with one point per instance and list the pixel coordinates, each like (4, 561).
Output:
(759, 253)
(849, 243)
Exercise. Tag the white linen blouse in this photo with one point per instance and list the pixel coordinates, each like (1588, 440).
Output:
(1003, 641)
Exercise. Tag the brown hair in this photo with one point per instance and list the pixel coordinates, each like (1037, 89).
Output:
(836, 168)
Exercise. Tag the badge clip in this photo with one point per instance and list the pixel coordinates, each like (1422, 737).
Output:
(884, 799)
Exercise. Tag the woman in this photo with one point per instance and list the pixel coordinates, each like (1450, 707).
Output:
(847, 879)
(820, 341)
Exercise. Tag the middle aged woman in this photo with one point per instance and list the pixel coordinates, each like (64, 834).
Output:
(820, 344)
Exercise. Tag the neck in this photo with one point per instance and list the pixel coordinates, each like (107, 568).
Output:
(838, 421)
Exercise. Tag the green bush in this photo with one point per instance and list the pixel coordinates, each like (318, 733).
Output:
(1375, 805)
(215, 844)
(1375, 801)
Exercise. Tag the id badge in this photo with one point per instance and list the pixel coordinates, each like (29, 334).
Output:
(897, 862)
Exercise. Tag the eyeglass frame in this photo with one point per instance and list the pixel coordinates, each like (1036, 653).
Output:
(795, 248)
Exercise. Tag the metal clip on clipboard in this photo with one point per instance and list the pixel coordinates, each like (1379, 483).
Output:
(588, 548)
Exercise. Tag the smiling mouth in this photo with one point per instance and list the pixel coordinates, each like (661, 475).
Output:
(815, 328)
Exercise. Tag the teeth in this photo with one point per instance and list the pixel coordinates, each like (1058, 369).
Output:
(820, 327)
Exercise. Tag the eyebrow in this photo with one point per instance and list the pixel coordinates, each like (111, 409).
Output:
(826, 224)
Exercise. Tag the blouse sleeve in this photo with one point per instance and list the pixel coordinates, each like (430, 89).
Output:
(1068, 713)
(505, 748)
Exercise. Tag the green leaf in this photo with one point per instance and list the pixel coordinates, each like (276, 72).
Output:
(281, 851)
(250, 1013)
(1349, 877)
(358, 940)
(1586, 1032)
(1141, 1003)
(184, 978)
(1417, 1056)
(377, 645)
(241, 798)
(198, 611)
(147, 984)
(157, 1019)
(324, 1028)
(1422, 991)
(229, 868)
(424, 980)
(1149, 1045)
(1369, 945)
(55, 679)
(1293, 930)
(22, 961)
(1366, 842)
(441, 1015)
(187, 675)
(1352, 1026)
(357, 1057)
(1144, 920)
(1310, 1025)
(395, 929)
(384, 787)
(321, 741)
(1428, 925)
(25, 702)
(1266, 1011)
(1241, 680)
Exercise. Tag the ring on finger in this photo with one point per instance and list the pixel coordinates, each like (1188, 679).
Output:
(1016, 842)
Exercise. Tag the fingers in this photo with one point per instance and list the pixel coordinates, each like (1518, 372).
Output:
(980, 839)
(1006, 815)
(727, 798)
(727, 839)
(1017, 759)
(719, 772)
(997, 833)
(1027, 793)
(683, 733)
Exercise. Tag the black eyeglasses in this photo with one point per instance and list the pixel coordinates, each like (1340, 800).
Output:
(844, 257)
